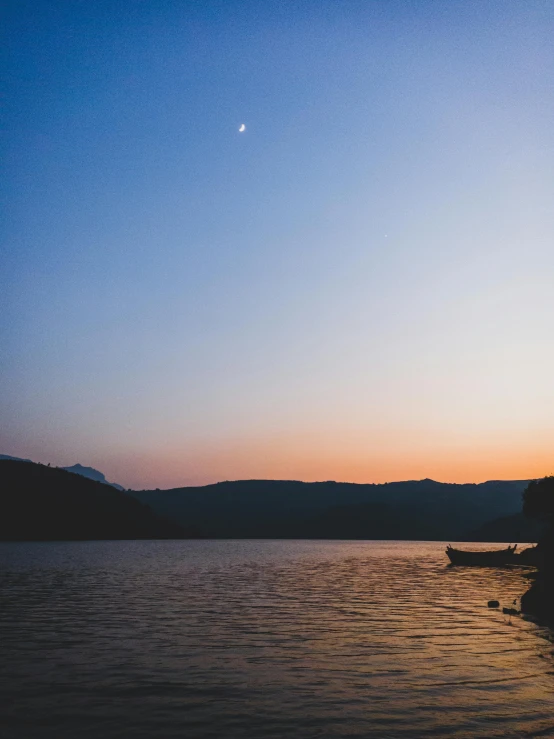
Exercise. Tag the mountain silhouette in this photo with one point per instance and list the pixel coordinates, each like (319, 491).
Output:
(45, 503)
(423, 509)
(13, 459)
(414, 509)
(77, 469)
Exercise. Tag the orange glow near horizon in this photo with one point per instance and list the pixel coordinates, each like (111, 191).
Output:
(319, 458)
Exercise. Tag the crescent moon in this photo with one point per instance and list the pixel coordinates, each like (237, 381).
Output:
(242, 128)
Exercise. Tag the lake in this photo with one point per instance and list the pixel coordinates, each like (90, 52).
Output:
(265, 639)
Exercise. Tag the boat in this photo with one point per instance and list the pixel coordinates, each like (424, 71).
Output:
(497, 557)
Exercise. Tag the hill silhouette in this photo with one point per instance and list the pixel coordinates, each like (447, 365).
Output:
(422, 509)
(46, 503)
(49, 503)
(77, 469)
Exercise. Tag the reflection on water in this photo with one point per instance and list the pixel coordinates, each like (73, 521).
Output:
(264, 639)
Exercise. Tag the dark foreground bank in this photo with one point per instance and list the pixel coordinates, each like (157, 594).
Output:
(538, 502)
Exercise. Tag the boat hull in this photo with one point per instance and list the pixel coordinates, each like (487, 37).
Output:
(495, 558)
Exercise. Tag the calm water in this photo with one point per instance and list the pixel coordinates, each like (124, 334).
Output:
(264, 639)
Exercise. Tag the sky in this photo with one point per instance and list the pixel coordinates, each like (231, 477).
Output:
(357, 287)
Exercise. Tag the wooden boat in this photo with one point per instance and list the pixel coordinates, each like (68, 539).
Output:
(496, 558)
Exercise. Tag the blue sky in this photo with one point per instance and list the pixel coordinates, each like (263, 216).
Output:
(359, 286)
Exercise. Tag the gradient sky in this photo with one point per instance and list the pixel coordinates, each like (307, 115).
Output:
(358, 287)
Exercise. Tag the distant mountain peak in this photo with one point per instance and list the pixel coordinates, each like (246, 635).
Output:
(13, 459)
(92, 474)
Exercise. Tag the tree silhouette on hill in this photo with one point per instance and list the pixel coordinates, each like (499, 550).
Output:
(538, 499)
